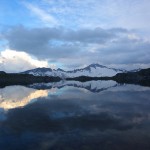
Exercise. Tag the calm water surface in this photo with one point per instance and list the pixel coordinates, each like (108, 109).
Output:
(94, 115)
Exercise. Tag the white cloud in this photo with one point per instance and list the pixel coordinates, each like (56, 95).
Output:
(103, 13)
(14, 61)
(45, 17)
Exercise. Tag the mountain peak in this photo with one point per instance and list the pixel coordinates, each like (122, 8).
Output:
(93, 70)
(59, 69)
(97, 65)
(44, 69)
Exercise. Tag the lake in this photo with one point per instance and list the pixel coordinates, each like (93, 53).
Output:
(72, 115)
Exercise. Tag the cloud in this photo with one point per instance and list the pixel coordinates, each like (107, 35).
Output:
(104, 13)
(45, 17)
(44, 41)
(81, 47)
(14, 61)
(76, 33)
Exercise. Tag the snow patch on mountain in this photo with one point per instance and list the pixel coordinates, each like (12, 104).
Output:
(93, 70)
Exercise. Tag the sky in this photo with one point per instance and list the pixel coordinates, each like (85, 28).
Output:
(71, 34)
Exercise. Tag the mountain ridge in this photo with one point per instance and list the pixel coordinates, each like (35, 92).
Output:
(141, 77)
(92, 70)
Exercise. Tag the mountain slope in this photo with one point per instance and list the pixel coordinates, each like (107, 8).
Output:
(93, 70)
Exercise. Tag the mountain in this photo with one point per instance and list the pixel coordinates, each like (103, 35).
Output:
(93, 70)
(141, 77)
(135, 70)
(43, 75)
(2, 72)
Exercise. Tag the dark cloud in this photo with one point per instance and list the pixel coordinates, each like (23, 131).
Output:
(55, 40)
(116, 45)
(97, 35)
(126, 51)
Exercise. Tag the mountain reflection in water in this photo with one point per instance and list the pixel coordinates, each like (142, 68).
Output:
(73, 115)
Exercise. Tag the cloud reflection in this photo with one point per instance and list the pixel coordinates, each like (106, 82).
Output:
(70, 118)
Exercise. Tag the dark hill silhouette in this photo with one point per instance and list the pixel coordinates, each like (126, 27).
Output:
(141, 77)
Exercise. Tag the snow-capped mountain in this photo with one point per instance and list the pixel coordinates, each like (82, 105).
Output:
(93, 70)
(135, 70)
